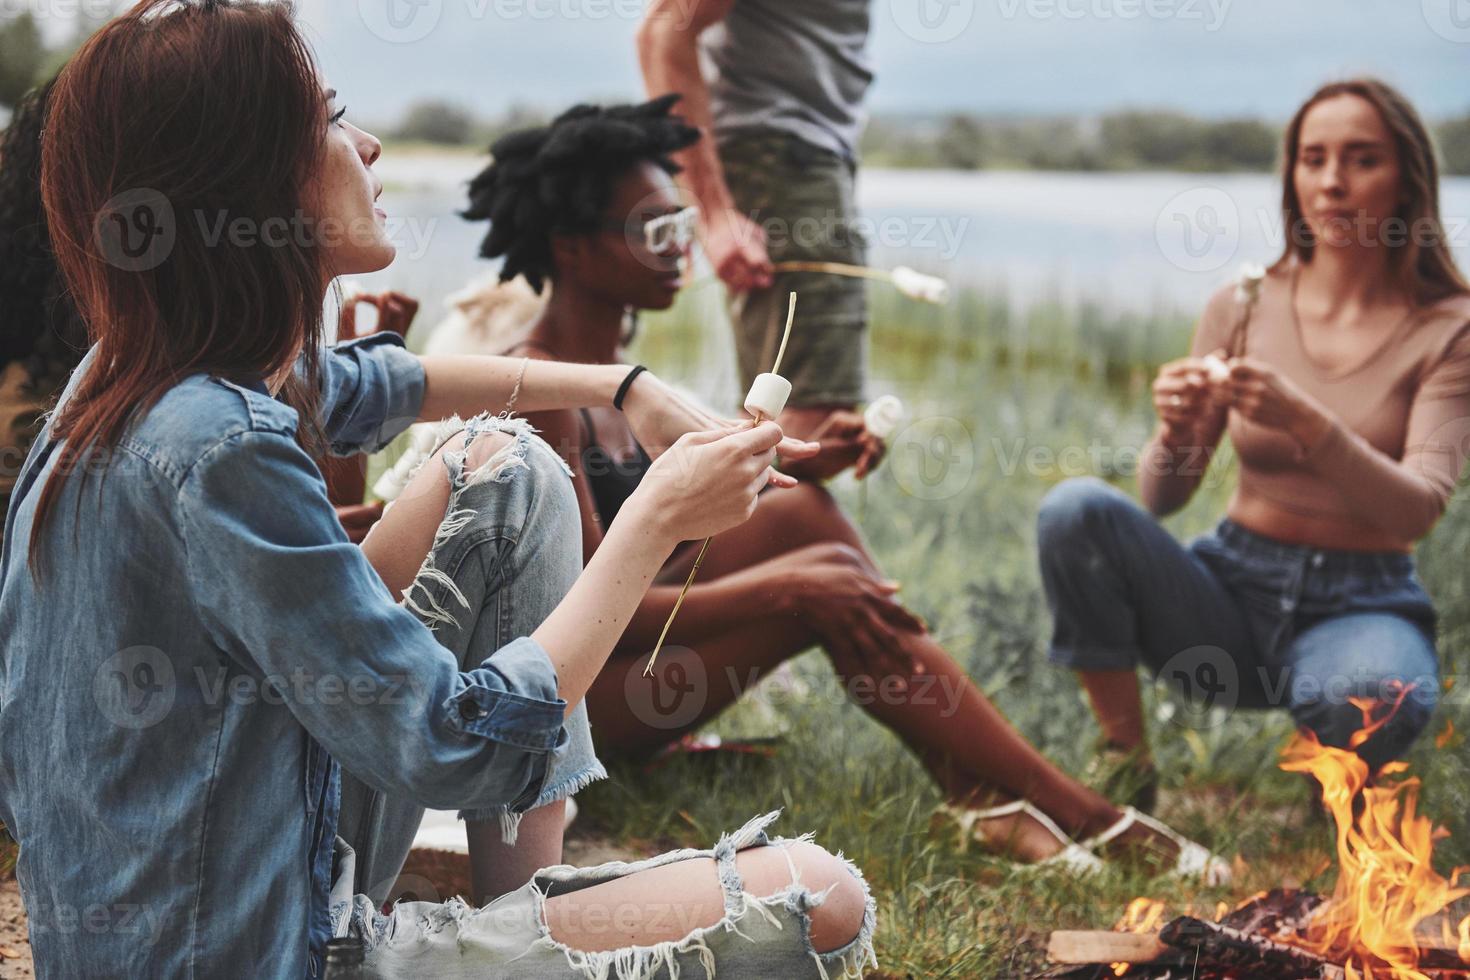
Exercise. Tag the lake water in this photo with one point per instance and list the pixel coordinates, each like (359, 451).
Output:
(1132, 241)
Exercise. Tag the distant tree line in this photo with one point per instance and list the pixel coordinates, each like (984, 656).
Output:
(1130, 140)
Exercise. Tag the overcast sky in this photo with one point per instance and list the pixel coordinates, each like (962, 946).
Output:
(1211, 57)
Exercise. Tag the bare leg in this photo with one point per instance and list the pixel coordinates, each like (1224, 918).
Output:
(583, 919)
(1117, 705)
(968, 746)
(396, 547)
(497, 868)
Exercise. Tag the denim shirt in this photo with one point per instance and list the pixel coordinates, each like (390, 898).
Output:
(203, 647)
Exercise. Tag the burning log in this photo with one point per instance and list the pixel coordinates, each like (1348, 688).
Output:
(1220, 947)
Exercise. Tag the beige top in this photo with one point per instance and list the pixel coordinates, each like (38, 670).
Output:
(1384, 474)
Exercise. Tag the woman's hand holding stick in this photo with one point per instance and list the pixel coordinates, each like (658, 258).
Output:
(766, 399)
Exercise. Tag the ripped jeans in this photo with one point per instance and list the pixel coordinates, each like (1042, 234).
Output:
(756, 939)
(505, 554)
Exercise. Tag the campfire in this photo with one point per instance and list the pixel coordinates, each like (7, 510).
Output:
(1389, 917)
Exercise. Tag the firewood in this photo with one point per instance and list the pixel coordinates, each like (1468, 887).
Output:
(1097, 946)
(1220, 946)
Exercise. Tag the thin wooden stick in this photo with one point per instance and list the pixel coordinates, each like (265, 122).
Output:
(689, 582)
(836, 269)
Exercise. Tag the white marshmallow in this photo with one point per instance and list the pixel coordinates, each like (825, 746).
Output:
(768, 396)
(883, 416)
(917, 285)
(1217, 369)
(1248, 283)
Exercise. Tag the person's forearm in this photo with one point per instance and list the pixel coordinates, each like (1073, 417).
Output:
(668, 52)
(470, 384)
(1396, 497)
(583, 630)
(1168, 476)
(709, 609)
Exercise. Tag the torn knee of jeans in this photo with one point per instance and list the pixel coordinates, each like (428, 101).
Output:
(502, 465)
(744, 913)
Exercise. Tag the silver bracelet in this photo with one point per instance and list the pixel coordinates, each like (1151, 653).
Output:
(516, 392)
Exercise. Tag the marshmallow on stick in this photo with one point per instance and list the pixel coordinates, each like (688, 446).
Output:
(911, 282)
(883, 417)
(766, 400)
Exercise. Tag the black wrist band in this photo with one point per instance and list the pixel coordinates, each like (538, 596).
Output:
(627, 384)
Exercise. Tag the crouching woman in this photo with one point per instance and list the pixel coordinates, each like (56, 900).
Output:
(1342, 377)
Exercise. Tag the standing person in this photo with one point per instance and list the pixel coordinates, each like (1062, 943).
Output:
(782, 112)
(1345, 388)
(192, 643)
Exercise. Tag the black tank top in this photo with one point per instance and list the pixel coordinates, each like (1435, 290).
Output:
(612, 482)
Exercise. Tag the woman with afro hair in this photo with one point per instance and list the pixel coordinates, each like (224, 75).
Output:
(588, 206)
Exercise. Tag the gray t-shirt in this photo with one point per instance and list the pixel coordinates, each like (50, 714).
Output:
(799, 66)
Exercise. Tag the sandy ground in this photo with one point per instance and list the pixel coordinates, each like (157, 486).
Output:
(15, 947)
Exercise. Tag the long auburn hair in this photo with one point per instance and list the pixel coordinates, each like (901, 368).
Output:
(189, 115)
(1423, 269)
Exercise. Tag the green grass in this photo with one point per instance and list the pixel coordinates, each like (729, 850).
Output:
(1048, 378)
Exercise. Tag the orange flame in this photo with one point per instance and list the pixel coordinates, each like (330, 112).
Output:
(1386, 883)
(1143, 915)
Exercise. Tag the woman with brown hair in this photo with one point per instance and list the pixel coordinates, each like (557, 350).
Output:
(191, 641)
(1343, 379)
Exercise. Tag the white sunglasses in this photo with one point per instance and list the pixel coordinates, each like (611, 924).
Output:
(671, 231)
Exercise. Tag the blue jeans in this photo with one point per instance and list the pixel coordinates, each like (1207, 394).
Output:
(506, 554)
(1238, 619)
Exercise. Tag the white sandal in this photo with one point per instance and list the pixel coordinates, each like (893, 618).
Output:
(1073, 856)
(1194, 860)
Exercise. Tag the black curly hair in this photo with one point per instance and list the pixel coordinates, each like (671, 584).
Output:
(558, 179)
(37, 319)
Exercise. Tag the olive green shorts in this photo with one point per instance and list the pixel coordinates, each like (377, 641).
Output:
(802, 196)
